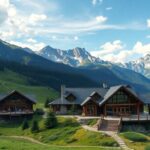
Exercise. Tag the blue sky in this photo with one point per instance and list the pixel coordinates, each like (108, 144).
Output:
(114, 30)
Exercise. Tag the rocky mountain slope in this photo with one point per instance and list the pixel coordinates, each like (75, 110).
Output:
(141, 65)
(73, 57)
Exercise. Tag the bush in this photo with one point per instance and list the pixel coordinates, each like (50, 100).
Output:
(25, 124)
(92, 122)
(50, 120)
(46, 104)
(53, 137)
(147, 147)
(70, 140)
(71, 122)
(39, 111)
(35, 127)
(136, 137)
(109, 143)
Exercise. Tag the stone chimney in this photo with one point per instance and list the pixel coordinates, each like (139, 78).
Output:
(62, 92)
(105, 86)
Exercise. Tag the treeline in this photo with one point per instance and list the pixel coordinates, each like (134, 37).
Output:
(43, 77)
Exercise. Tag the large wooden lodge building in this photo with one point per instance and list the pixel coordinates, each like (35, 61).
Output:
(120, 100)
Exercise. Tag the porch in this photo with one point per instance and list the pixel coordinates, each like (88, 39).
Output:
(16, 113)
(140, 117)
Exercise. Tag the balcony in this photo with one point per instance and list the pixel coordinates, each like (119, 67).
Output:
(16, 113)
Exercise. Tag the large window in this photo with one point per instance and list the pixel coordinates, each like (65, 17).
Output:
(119, 97)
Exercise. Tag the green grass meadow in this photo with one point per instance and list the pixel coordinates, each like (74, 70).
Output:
(10, 81)
(136, 141)
(17, 144)
(68, 132)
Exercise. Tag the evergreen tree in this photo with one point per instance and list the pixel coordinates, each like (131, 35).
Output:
(35, 127)
(25, 124)
(50, 120)
(46, 103)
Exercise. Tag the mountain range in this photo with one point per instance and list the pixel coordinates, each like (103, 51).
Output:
(73, 57)
(141, 65)
(47, 68)
(80, 57)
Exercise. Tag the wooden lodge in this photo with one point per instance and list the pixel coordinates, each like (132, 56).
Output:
(120, 100)
(16, 104)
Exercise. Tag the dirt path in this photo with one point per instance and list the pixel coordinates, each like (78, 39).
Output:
(114, 135)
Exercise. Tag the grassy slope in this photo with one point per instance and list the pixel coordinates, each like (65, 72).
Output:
(16, 144)
(10, 81)
(68, 132)
(135, 143)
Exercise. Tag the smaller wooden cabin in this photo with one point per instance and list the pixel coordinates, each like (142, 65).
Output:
(16, 104)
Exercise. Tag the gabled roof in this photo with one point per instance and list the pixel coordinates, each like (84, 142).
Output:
(83, 95)
(60, 102)
(90, 98)
(29, 97)
(114, 89)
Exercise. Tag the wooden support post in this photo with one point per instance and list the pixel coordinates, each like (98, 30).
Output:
(149, 109)
(105, 110)
(138, 111)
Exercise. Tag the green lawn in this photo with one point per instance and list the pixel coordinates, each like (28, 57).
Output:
(17, 144)
(67, 132)
(136, 141)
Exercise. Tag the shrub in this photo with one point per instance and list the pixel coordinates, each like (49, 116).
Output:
(136, 137)
(50, 120)
(108, 143)
(70, 122)
(147, 147)
(46, 104)
(70, 140)
(91, 122)
(35, 127)
(39, 111)
(53, 137)
(25, 124)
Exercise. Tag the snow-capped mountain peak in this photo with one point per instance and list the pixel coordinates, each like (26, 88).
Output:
(141, 65)
(73, 57)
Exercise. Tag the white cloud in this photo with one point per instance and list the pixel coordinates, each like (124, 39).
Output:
(109, 47)
(94, 2)
(116, 51)
(30, 40)
(76, 38)
(148, 23)
(101, 19)
(34, 18)
(54, 37)
(108, 8)
(140, 48)
(34, 46)
(148, 36)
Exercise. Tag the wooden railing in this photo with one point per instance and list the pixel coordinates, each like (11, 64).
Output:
(120, 124)
(15, 112)
(142, 117)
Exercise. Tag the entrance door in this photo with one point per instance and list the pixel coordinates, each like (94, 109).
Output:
(91, 110)
(120, 110)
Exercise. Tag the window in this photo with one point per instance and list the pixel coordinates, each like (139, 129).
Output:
(119, 97)
(70, 97)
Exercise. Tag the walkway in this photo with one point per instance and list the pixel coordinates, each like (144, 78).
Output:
(114, 135)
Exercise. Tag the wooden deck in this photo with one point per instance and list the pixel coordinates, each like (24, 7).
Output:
(141, 117)
(16, 113)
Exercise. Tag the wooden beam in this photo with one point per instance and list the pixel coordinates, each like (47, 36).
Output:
(138, 110)
(105, 110)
